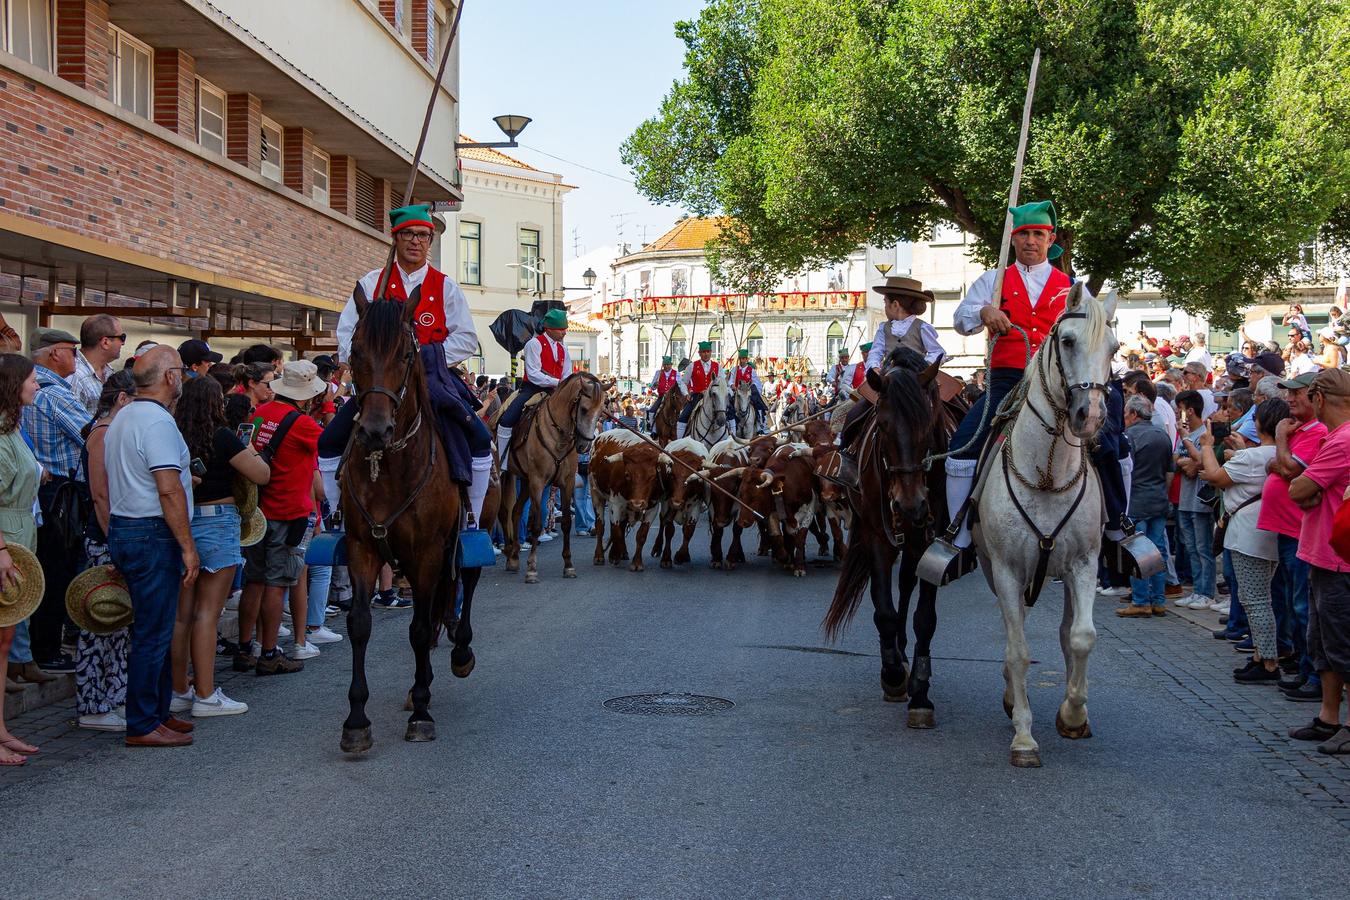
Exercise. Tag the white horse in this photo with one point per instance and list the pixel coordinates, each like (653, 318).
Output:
(708, 421)
(1040, 510)
(745, 411)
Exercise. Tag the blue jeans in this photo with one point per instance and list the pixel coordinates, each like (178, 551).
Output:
(1289, 592)
(1197, 536)
(21, 651)
(583, 517)
(1001, 382)
(1149, 591)
(148, 556)
(320, 581)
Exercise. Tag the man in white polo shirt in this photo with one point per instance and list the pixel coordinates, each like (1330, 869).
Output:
(150, 539)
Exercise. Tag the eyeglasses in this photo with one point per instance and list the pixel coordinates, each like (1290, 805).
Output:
(117, 337)
(423, 237)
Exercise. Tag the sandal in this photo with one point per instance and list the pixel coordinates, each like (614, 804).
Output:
(14, 745)
(1316, 730)
(1338, 744)
(10, 758)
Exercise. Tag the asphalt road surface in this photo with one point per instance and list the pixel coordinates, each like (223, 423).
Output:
(809, 786)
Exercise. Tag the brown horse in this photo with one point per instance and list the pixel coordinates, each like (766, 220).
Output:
(899, 503)
(667, 416)
(401, 507)
(544, 454)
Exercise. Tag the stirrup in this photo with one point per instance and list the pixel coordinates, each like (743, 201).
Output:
(845, 473)
(944, 562)
(1134, 556)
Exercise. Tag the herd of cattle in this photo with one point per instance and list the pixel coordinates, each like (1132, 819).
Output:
(778, 484)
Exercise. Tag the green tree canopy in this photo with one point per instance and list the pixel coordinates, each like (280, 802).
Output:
(1197, 140)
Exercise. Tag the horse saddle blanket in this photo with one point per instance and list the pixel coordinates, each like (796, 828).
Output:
(530, 404)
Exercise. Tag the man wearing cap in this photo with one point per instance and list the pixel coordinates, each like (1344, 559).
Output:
(1033, 296)
(101, 342)
(745, 373)
(290, 437)
(54, 422)
(1297, 440)
(546, 365)
(198, 357)
(694, 380)
(665, 378)
(441, 322)
(837, 370)
(1320, 491)
(326, 366)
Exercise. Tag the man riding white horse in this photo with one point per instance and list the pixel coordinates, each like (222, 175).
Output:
(1033, 298)
(745, 373)
(446, 337)
(694, 381)
(546, 365)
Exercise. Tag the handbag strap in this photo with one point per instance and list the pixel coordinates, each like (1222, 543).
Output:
(274, 443)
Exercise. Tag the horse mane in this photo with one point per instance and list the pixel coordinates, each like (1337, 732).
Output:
(904, 393)
(382, 324)
(1095, 327)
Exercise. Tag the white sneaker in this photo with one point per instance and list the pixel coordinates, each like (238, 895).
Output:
(304, 651)
(525, 545)
(1220, 608)
(233, 601)
(1114, 592)
(285, 615)
(283, 631)
(182, 702)
(324, 635)
(1197, 601)
(545, 538)
(108, 721)
(217, 705)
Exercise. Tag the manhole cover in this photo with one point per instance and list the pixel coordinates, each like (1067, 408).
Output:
(668, 704)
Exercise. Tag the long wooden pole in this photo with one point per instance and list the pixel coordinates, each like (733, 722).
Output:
(1006, 243)
(387, 272)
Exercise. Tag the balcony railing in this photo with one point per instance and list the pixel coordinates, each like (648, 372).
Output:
(734, 303)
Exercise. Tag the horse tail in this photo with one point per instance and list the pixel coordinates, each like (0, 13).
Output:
(853, 579)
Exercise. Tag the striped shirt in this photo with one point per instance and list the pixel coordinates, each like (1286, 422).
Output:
(54, 422)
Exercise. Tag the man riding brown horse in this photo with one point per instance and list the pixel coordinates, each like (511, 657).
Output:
(546, 365)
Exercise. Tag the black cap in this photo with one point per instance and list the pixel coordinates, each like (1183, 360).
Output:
(195, 352)
(1271, 362)
(324, 362)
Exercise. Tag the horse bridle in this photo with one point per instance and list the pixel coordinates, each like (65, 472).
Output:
(1069, 387)
(409, 360)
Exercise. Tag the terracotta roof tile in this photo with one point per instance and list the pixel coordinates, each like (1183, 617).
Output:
(687, 234)
(488, 155)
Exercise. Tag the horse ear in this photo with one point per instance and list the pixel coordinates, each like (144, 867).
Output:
(1109, 302)
(1075, 296)
(410, 308)
(875, 381)
(927, 375)
(362, 301)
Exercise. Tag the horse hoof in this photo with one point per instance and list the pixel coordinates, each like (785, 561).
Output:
(1007, 708)
(681, 558)
(636, 567)
(599, 561)
(569, 572)
(1026, 759)
(1072, 733)
(531, 577)
(717, 564)
(798, 573)
(459, 665)
(512, 566)
(894, 693)
(420, 731)
(921, 718)
(407, 703)
(356, 740)
(667, 564)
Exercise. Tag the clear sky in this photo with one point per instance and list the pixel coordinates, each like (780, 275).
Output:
(588, 72)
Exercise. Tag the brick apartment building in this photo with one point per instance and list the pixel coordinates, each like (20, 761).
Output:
(221, 168)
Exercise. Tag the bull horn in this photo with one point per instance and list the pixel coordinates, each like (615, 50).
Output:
(738, 471)
(803, 453)
(614, 459)
(766, 479)
(695, 476)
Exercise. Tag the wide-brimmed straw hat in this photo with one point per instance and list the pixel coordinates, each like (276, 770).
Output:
(252, 529)
(299, 381)
(98, 600)
(903, 288)
(19, 601)
(245, 496)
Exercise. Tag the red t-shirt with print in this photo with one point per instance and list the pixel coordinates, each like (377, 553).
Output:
(290, 492)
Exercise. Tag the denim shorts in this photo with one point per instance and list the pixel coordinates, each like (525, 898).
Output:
(217, 537)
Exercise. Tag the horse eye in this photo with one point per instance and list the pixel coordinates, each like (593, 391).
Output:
(1067, 341)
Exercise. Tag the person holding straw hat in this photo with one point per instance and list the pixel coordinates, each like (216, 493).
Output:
(19, 477)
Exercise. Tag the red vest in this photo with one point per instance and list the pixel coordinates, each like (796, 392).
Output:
(429, 317)
(744, 375)
(1010, 352)
(859, 374)
(699, 379)
(549, 361)
(665, 380)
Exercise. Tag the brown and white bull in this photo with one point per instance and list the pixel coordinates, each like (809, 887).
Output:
(686, 500)
(783, 491)
(725, 463)
(628, 487)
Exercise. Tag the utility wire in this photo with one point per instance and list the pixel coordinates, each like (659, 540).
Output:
(577, 164)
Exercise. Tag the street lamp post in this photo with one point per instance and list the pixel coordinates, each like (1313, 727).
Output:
(510, 125)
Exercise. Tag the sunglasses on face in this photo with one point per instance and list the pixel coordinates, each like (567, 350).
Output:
(117, 337)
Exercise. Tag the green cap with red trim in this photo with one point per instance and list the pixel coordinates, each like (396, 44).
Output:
(408, 216)
(1040, 215)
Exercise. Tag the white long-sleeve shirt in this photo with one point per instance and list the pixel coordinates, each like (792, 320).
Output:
(981, 294)
(461, 342)
(932, 347)
(534, 354)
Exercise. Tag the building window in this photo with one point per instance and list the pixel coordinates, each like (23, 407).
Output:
(715, 339)
(320, 162)
(834, 342)
(679, 343)
(796, 341)
(271, 150)
(754, 341)
(129, 74)
(29, 31)
(210, 117)
(679, 282)
(837, 279)
(645, 283)
(470, 252)
(435, 27)
(368, 206)
(529, 256)
(644, 354)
